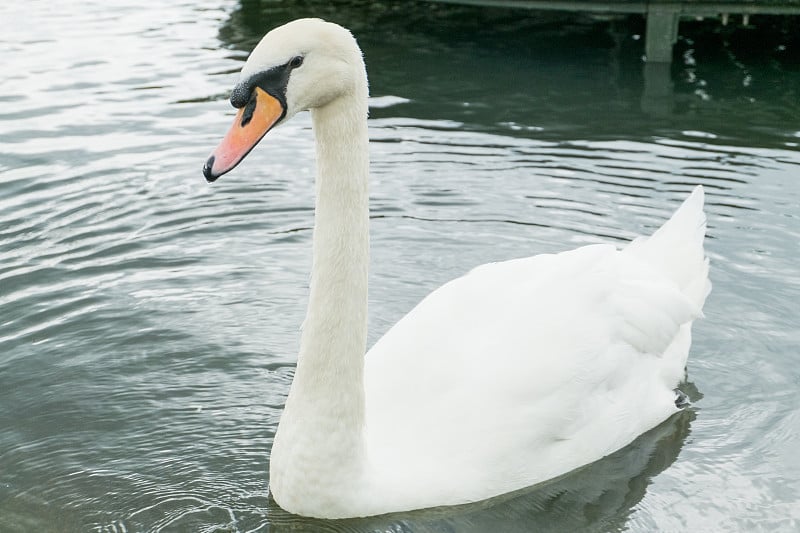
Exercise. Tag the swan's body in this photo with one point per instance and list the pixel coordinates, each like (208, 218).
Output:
(510, 375)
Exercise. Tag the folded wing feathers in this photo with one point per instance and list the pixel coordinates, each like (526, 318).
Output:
(676, 249)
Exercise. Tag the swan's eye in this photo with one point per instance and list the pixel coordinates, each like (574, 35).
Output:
(296, 61)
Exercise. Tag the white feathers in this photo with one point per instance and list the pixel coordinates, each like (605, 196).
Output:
(529, 368)
(515, 373)
(676, 249)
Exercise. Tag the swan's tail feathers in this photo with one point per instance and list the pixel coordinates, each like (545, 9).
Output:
(676, 248)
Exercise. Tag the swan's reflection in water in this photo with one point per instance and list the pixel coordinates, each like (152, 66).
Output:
(598, 497)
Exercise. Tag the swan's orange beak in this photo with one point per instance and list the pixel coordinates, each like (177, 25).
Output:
(252, 122)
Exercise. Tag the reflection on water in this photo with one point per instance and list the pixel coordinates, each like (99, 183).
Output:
(148, 322)
(598, 497)
(561, 75)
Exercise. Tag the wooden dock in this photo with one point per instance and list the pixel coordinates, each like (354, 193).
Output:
(663, 16)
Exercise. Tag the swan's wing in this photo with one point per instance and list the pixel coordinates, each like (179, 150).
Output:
(537, 365)
(676, 249)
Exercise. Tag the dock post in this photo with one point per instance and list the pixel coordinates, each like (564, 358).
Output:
(662, 32)
(658, 98)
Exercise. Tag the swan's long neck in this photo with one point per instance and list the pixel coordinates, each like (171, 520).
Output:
(321, 429)
(331, 362)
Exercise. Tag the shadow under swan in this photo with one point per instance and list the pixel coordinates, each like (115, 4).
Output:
(597, 497)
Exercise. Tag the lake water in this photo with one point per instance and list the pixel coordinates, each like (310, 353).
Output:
(149, 321)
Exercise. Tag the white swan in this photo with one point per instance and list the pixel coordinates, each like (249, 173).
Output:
(510, 375)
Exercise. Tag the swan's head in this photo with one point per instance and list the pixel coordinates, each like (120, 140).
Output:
(302, 65)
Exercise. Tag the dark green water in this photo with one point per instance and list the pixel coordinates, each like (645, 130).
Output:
(149, 322)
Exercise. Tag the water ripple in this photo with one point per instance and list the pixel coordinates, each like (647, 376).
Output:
(149, 322)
